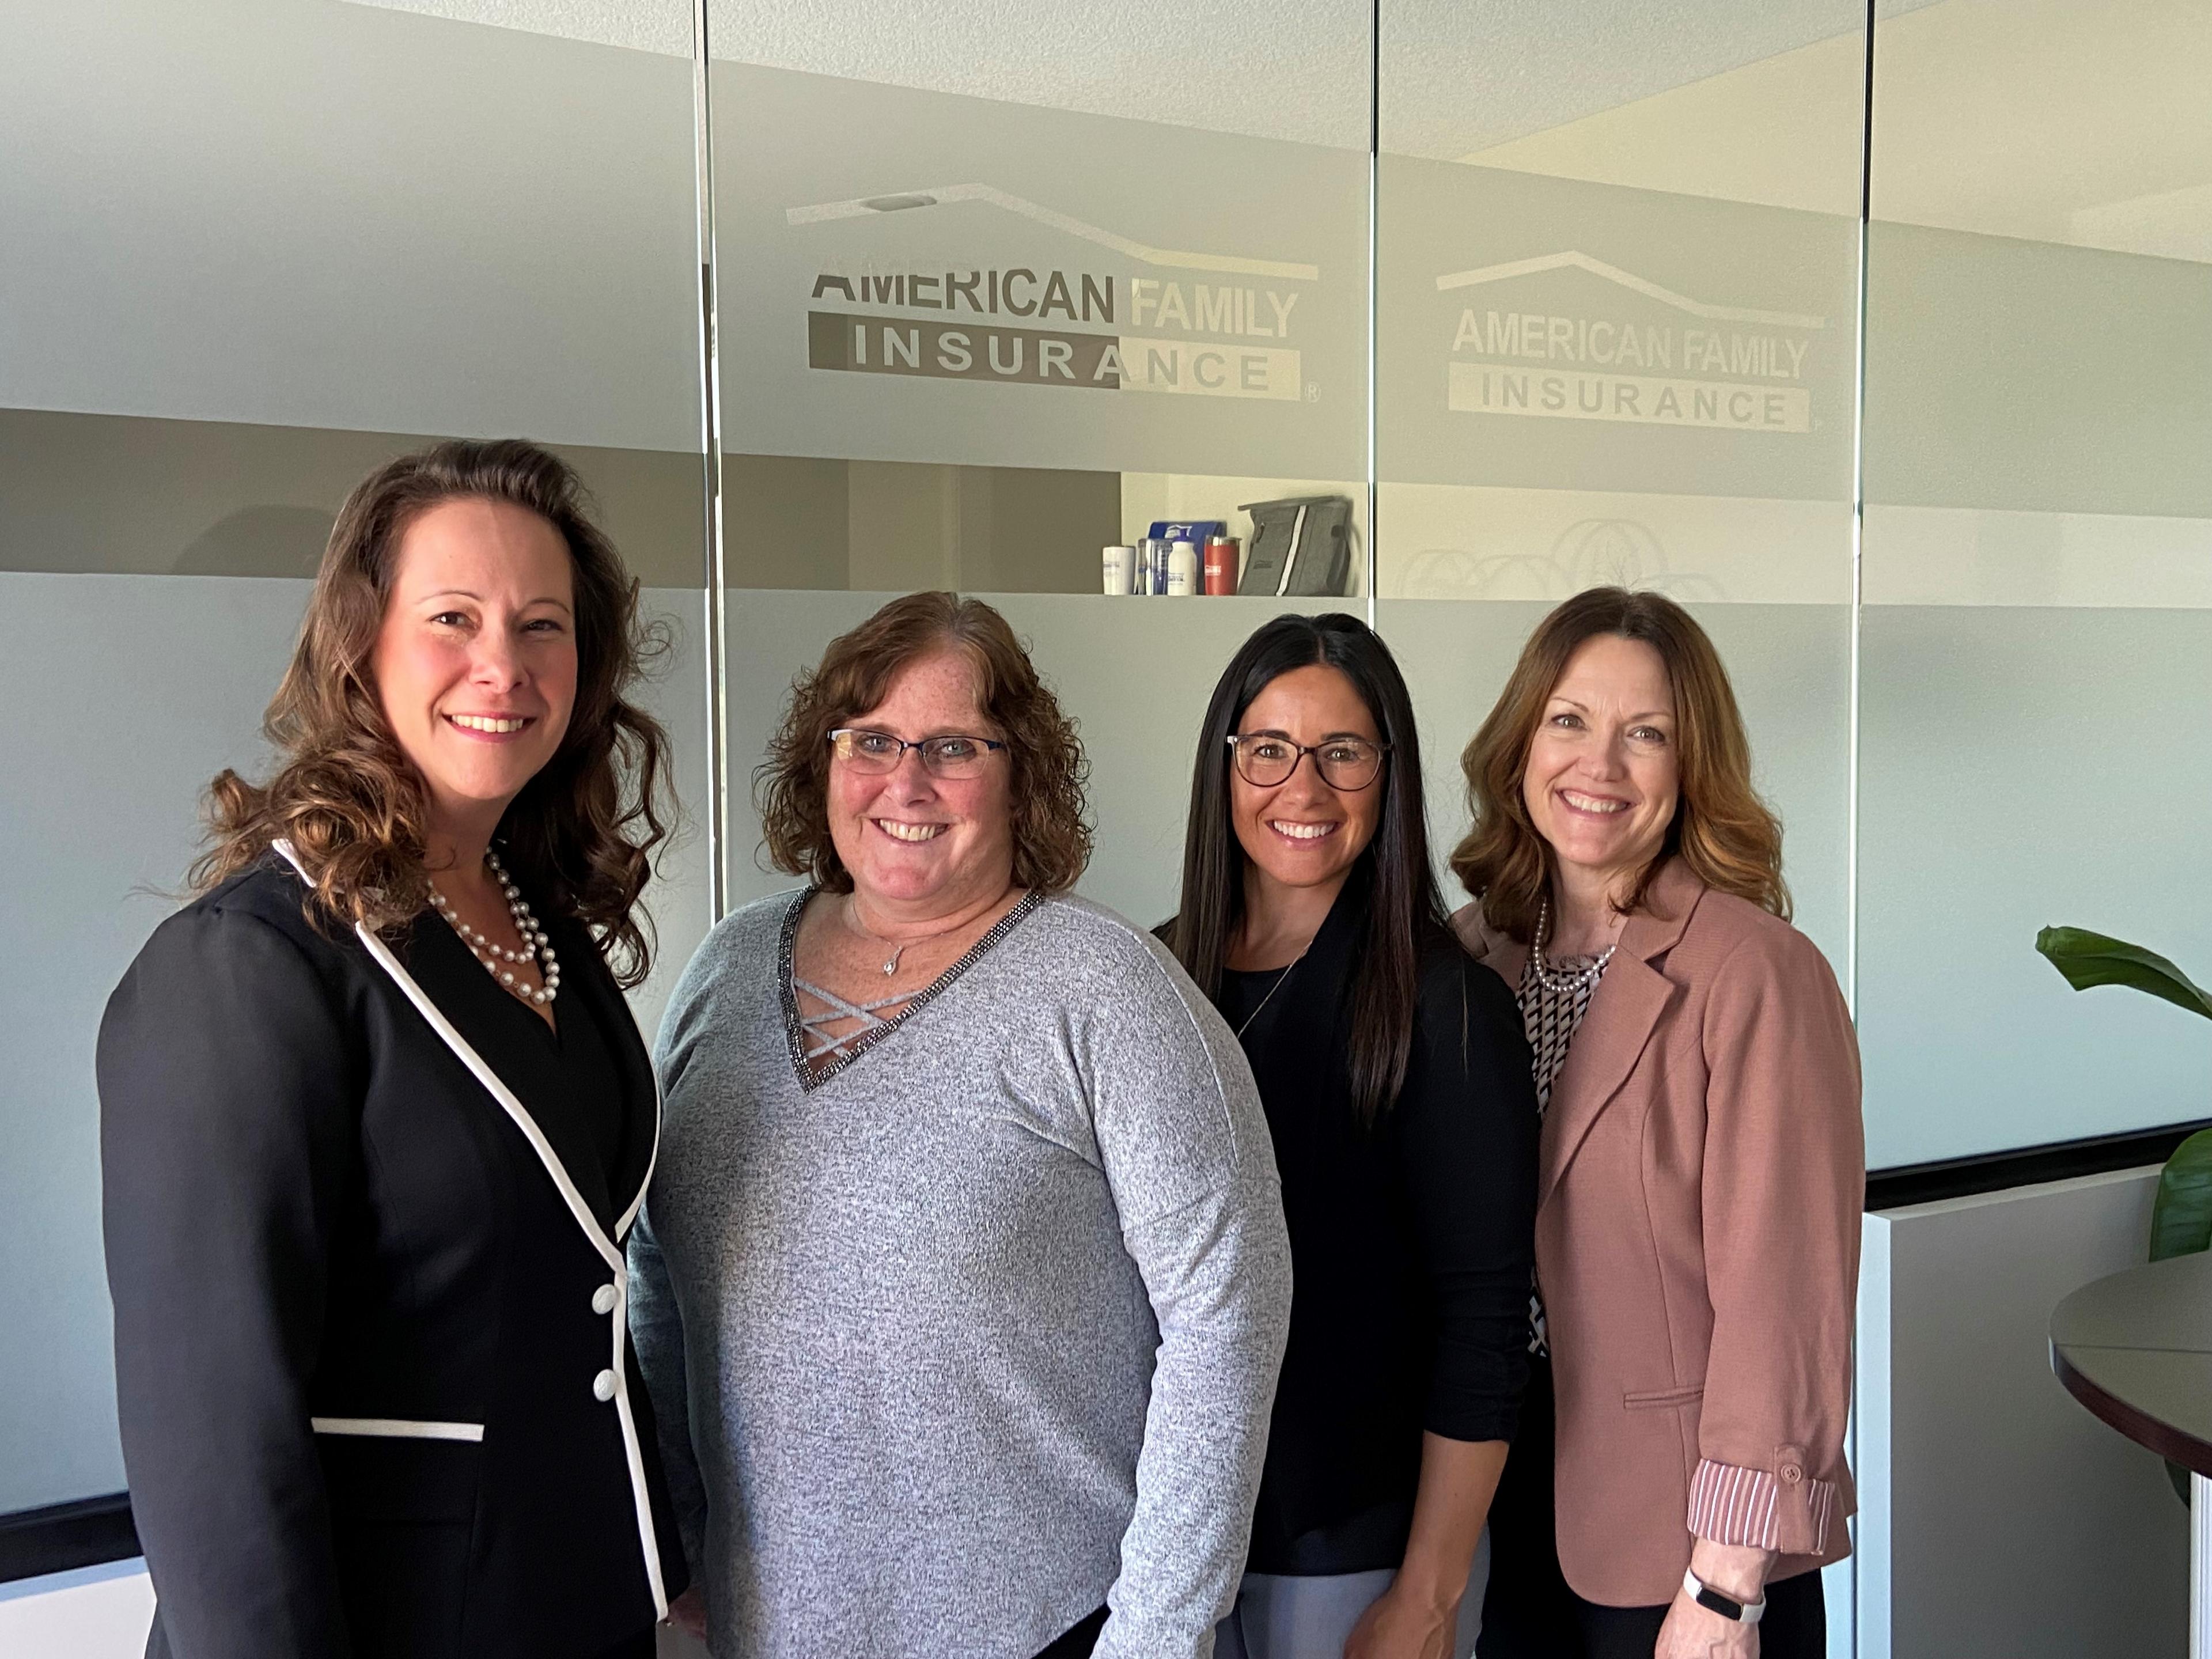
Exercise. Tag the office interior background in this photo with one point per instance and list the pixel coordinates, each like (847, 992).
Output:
(1879, 336)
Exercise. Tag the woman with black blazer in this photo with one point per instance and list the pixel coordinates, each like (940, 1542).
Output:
(1396, 1081)
(374, 1117)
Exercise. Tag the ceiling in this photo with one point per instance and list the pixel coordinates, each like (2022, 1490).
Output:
(1456, 74)
(2082, 121)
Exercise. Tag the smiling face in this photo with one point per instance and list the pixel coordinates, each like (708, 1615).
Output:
(1301, 833)
(475, 662)
(1603, 778)
(915, 845)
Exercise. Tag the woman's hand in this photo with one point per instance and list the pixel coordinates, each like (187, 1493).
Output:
(1400, 1625)
(688, 1612)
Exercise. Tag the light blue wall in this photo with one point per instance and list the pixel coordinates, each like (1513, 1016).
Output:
(2023, 767)
(124, 696)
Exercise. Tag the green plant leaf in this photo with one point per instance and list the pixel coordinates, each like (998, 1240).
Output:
(2086, 959)
(2181, 1212)
(2181, 1225)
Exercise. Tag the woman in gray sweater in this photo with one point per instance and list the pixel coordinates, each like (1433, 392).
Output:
(964, 1262)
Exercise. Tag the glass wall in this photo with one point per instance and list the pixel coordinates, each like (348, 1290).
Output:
(252, 250)
(1523, 297)
(2037, 567)
(994, 298)
(1616, 335)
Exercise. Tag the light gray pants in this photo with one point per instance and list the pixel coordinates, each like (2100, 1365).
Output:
(1280, 1617)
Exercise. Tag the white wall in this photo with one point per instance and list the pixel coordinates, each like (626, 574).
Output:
(1998, 1519)
(95, 1613)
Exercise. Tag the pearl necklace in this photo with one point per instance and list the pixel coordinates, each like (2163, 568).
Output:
(536, 948)
(1562, 977)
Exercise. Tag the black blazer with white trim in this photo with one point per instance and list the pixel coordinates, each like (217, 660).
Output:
(373, 1365)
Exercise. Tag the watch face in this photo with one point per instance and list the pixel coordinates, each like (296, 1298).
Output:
(1727, 1606)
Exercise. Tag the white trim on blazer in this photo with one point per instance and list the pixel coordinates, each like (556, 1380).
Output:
(396, 1428)
(618, 1310)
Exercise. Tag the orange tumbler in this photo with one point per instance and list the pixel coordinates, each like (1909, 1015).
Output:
(1221, 564)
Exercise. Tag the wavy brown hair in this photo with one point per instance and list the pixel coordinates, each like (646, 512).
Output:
(1721, 828)
(579, 836)
(790, 787)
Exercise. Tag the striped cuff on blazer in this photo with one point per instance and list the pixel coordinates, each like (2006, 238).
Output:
(1731, 1504)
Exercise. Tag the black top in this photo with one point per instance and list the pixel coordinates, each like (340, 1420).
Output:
(372, 1369)
(1412, 1244)
(564, 1073)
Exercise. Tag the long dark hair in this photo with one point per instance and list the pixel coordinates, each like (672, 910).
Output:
(582, 831)
(1405, 909)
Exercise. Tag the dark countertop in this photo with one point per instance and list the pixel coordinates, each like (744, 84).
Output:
(2137, 1349)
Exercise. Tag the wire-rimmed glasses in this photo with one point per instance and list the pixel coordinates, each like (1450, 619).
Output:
(953, 755)
(1266, 759)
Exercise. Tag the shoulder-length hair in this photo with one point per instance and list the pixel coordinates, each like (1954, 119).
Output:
(578, 835)
(1405, 910)
(790, 787)
(1721, 828)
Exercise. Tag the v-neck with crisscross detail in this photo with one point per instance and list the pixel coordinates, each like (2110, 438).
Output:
(1016, 1238)
(843, 1051)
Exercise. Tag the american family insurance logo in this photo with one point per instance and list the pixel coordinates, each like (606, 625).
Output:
(1655, 360)
(1219, 328)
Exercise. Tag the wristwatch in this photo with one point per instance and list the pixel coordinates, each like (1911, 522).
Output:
(1713, 1601)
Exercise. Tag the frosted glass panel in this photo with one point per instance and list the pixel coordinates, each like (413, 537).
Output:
(2038, 565)
(1617, 339)
(254, 250)
(2028, 767)
(1010, 293)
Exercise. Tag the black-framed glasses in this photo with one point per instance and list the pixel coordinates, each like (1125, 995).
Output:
(1265, 759)
(952, 755)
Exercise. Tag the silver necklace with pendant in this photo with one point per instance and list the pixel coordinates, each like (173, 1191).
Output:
(891, 962)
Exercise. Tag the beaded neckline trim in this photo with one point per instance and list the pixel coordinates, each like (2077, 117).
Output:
(795, 1033)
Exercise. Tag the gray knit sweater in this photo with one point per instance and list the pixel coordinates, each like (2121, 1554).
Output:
(979, 1331)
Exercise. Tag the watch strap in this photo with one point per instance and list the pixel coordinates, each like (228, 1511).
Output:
(1713, 1601)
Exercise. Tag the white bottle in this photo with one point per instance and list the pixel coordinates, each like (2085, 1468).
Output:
(1183, 569)
(1118, 566)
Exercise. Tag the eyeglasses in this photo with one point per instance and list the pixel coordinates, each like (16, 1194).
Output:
(879, 753)
(1265, 759)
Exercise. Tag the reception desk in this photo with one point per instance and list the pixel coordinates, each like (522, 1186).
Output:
(2136, 1349)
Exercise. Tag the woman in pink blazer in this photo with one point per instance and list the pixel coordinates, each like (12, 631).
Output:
(1679, 1474)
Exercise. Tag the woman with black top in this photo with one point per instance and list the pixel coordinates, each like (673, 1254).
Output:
(1394, 1076)
(374, 1117)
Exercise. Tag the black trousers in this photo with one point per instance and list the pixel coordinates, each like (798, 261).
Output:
(1078, 1639)
(1530, 1613)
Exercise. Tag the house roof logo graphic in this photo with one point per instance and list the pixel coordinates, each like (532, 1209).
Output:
(1650, 290)
(1052, 218)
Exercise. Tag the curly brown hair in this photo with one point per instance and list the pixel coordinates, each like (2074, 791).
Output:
(790, 787)
(1722, 829)
(581, 834)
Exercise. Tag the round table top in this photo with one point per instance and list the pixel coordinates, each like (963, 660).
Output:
(2137, 1349)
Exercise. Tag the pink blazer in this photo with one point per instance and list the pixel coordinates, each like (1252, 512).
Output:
(1698, 1243)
